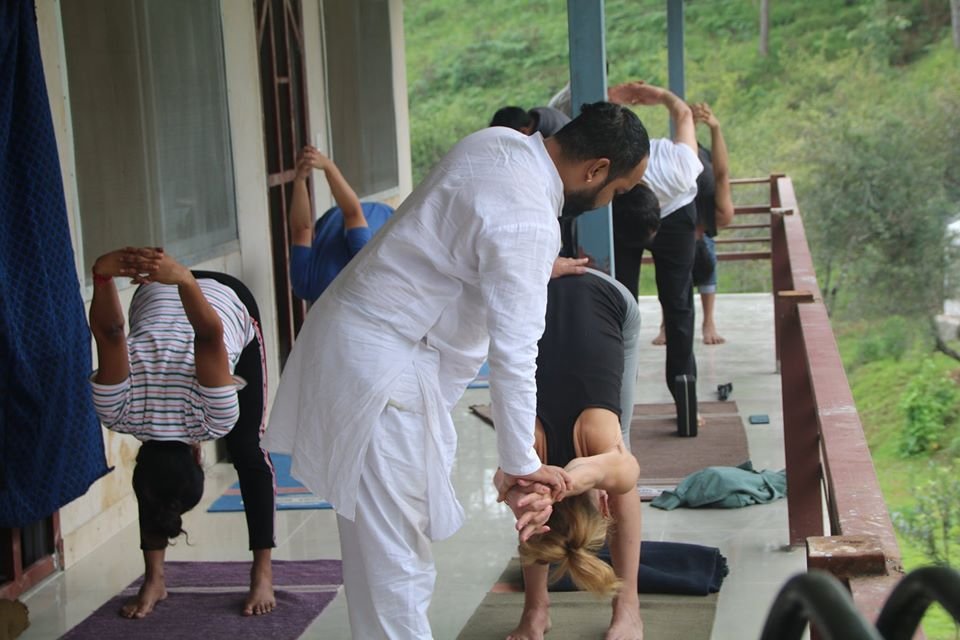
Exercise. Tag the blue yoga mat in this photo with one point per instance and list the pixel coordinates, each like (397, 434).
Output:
(482, 381)
(290, 493)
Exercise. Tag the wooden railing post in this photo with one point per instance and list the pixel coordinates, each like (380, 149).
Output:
(779, 260)
(801, 433)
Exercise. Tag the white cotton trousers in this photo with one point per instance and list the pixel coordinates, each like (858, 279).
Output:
(388, 568)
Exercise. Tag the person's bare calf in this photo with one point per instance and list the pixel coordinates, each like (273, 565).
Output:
(152, 591)
(661, 338)
(260, 600)
(626, 623)
(535, 621)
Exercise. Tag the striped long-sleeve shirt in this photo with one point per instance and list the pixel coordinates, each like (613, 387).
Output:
(161, 399)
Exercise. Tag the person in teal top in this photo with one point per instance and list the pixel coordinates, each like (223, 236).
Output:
(319, 253)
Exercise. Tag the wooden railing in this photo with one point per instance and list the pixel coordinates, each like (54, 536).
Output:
(828, 462)
(730, 236)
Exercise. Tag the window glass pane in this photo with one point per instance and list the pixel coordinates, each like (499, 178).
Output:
(360, 78)
(151, 129)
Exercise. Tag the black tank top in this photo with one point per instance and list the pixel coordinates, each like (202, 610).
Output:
(580, 361)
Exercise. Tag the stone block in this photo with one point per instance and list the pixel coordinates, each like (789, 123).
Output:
(948, 327)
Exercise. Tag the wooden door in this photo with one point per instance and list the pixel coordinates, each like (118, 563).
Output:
(285, 128)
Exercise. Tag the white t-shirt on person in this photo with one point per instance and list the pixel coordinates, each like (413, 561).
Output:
(672, 174)
(162, 399)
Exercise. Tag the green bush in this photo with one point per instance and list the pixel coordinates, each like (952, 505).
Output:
(929, 404)
(887, 341)
(933, 522)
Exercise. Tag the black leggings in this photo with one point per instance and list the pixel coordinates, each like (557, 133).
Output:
(252, 462)
(673, 251)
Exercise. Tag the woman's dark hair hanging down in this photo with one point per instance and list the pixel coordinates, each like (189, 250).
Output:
(168, 482)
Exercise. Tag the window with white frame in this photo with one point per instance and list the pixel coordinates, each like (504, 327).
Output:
(148, 107)
(363, 124)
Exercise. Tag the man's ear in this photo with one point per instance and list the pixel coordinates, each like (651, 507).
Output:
(597, 170)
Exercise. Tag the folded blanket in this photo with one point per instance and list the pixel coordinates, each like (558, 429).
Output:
(670, 567)
(725, 488)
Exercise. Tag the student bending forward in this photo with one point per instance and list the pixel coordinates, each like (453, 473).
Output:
(170, 384)
(580, 370)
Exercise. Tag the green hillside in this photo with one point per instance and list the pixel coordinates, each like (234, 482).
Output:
(465, 59)
(857, 101)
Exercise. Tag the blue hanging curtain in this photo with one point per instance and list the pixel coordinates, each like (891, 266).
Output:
(51, 445)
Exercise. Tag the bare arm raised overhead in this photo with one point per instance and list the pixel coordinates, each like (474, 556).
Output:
(721, 163)
(106, 314)
(344, 195)
(641, 93)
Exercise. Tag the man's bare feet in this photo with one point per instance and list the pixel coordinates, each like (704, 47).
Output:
(701, 421)
(710, 335)
(534, 623)
(625, 623)
(260, 600)
(152, 591)
(661, 338)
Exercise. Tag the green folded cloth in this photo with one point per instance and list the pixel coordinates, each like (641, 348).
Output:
(725, 488)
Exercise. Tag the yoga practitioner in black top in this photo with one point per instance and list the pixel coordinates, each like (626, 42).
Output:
(580, 368)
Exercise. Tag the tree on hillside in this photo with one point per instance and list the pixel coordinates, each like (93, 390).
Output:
(877, 201)
(765, 26)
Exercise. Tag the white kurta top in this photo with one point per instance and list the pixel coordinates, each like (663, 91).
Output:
(463, 266)
(672, 174)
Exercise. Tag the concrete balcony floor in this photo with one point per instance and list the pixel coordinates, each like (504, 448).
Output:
(753, 539)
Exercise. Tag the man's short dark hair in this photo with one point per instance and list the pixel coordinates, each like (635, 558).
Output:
(513, 117)
(606, 130)
(636, 217)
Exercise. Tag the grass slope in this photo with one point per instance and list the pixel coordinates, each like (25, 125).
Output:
(877, 387)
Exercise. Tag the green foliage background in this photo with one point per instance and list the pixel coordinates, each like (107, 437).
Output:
(858, 101)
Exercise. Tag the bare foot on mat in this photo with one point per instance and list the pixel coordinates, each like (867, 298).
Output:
(701, 421)
(534, 623)
(626, 623)
(151, 592)
(661, 338)
(260, 600)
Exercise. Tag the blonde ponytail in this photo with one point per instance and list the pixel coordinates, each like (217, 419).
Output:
(577, 532)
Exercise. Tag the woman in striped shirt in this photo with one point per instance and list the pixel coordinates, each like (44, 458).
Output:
(169, 383)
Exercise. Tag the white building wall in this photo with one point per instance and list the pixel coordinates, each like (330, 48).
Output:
(110, 505)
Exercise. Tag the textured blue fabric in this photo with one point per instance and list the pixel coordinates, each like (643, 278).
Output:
(312, 270)
(51, 445)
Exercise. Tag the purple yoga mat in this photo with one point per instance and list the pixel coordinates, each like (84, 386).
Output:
(195, 608)
(237, 574)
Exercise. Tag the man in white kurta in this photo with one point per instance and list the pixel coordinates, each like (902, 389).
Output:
(458, 274)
